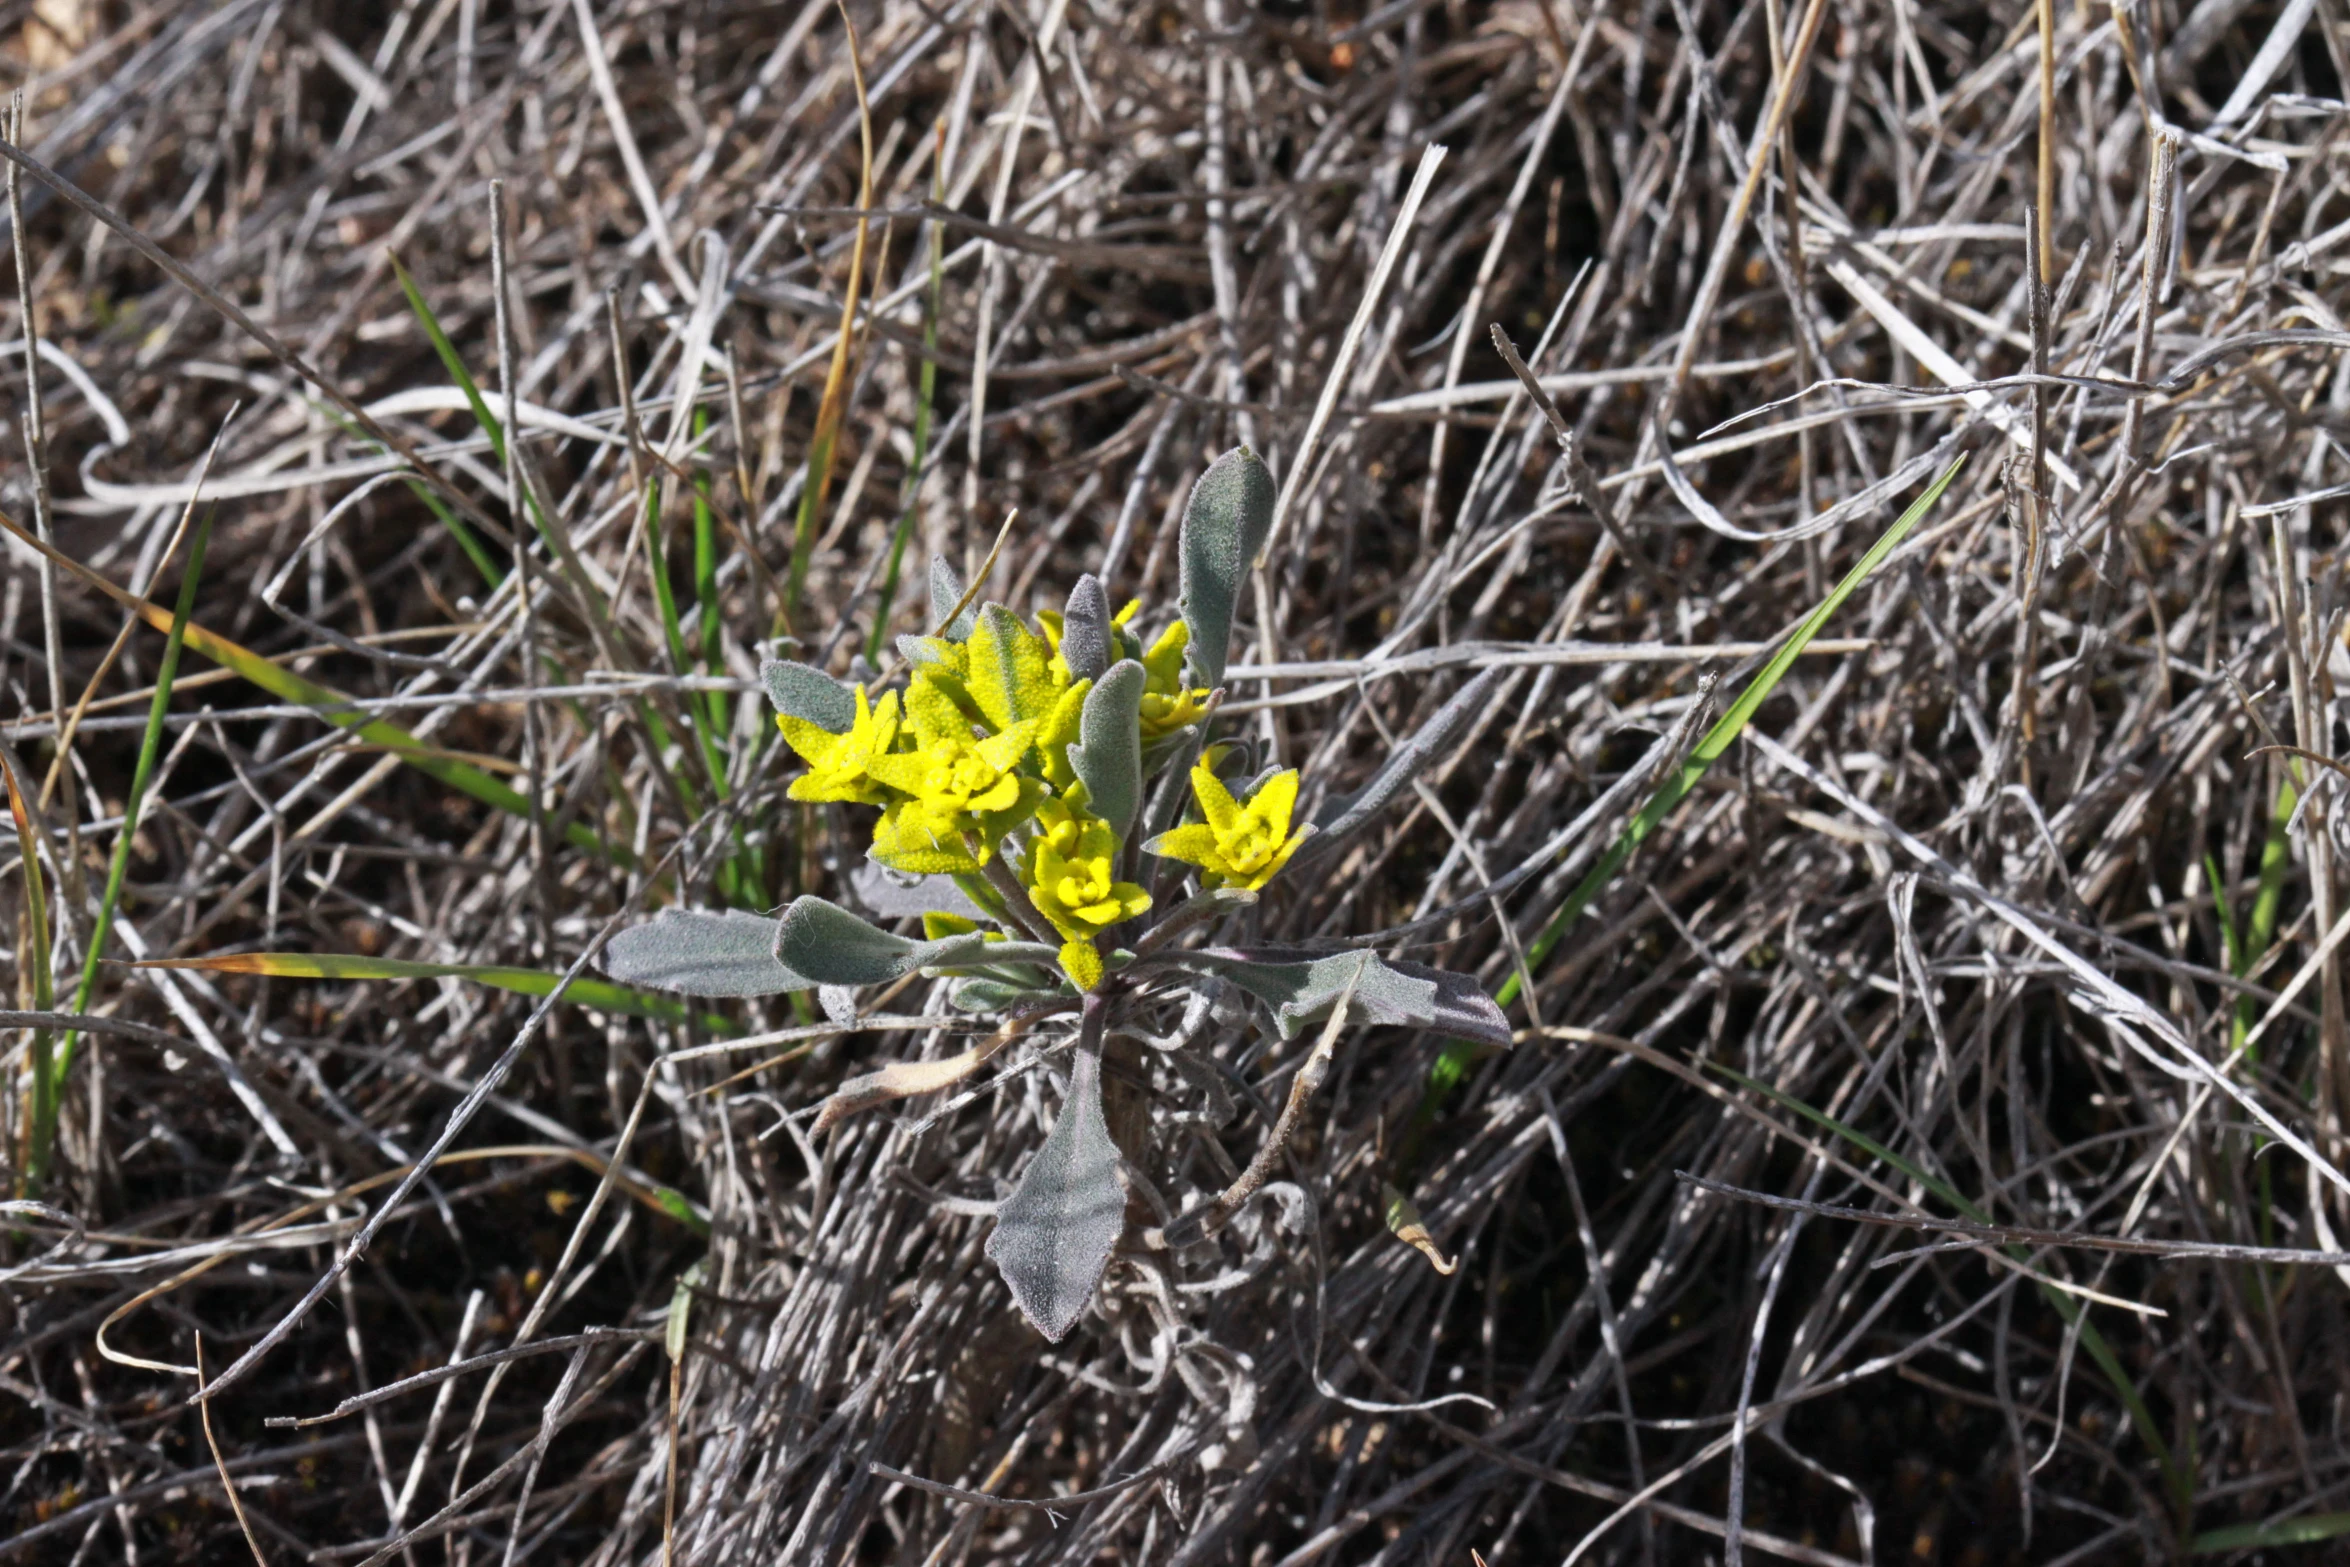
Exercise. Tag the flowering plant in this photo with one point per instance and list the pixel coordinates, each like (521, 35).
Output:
(1053, 789)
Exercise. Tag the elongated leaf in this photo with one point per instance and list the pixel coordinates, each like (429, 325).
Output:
(1055, 1233)
(1086, 645)
(522, 981)
(699, 952)
(804, 691)
(1342, 816)
(1301, 987)
(1108, 755)
(53, 1071)
(1224, 525)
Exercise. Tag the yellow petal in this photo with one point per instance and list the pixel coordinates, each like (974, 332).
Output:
(1215, 801)
(1274, 800)
(814, 743)
(1194, 844)
(1003, 752)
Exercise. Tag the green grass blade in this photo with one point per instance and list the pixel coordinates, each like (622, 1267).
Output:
(330, 705)
(454, 363)
(664, 591)
(451, 360)
(1725, 732)
(467, 540)
(601, 994)
(2231, 945)
(2276, 857)
(49, 1090)
(706, 557)
(2283, 1531)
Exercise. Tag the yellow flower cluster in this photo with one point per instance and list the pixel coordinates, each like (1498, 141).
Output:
(1071, 876)
(972, 773)
(1241, 844)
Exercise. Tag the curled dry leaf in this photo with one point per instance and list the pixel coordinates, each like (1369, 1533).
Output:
(1404, 1220)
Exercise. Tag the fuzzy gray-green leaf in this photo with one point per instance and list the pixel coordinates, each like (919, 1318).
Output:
(834, 947)
(1086, 645)
(992, 995)
(894, 897)
(804, 691)
(1224, 525)
(697, 952)
(1108, 753)
(1054, 1235)
(946, 591)
(1302, 986)
(831, 946)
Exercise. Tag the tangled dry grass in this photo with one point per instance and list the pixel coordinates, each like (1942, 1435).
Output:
(2015, 907)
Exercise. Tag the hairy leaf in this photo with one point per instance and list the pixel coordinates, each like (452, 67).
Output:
(1108, 755)
(894, 897)
(804, 691)
(1054, 1234)
(1302, 986)
(1224, 526)
(698, 952)
(1342, 816)
(833, 947)
(993, 995)
(1086, 645)
(946, 591)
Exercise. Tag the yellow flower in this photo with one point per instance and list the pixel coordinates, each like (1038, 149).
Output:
(839, 765)
(1166, 704)
(1238, 845)
(1071, 875)
(959, 786)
